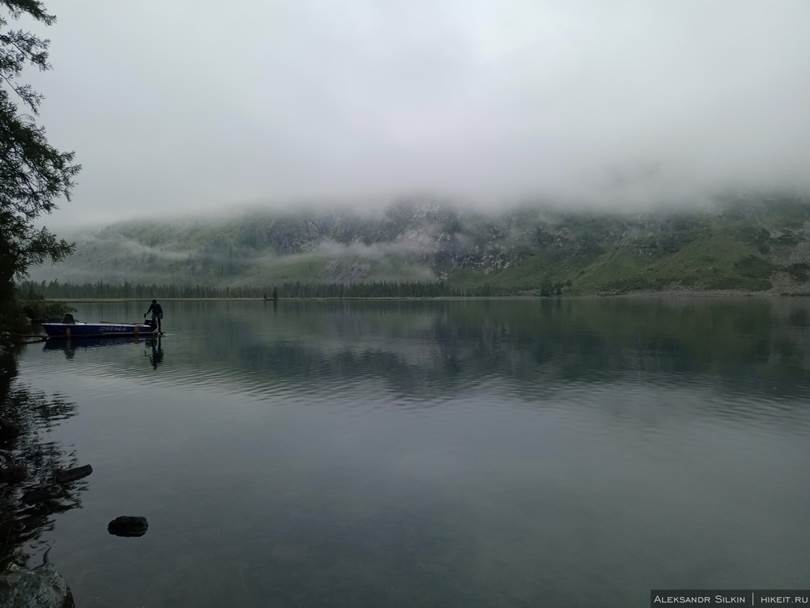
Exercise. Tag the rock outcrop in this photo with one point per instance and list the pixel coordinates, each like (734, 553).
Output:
(41, 587)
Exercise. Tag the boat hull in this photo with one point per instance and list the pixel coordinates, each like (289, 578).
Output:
(96, 330)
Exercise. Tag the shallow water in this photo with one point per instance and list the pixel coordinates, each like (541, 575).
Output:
(489, 453)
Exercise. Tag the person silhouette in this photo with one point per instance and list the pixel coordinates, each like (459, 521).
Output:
(157, 315)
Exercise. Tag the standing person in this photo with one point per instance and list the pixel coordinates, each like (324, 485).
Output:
(157, 314)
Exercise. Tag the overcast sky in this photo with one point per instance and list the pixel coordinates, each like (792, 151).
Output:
(194, 104)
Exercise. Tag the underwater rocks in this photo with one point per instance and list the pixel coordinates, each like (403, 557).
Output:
(41, 587)
(128, 526)
(8, 429)
(14, 473)
(74, 474)
(11, 471)
(48, 492)
(42, 494)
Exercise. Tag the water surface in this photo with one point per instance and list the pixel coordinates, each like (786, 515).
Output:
(489, 453)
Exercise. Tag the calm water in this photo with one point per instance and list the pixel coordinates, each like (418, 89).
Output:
(566, 453)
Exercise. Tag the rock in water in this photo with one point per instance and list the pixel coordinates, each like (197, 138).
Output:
(10, 470)
(8, 429)
(13, 474)
(128, 526)
(42, 587)
(43, 494)
(68, 475)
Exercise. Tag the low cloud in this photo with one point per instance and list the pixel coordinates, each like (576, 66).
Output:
(620, 105)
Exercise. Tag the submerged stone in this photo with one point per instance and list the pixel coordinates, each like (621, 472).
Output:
(41, 587)
(42, 494)
(8, 429)
(13, 473)
(74, 474)
(127, 525)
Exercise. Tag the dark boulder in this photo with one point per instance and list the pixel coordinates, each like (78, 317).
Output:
(74, 474)
(8, 429)
(41, 587)
(43, 494)
(13, 473)
(128, 526)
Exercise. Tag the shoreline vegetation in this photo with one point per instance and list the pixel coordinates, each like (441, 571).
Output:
(632, 294)
(50, 295)
(36, 306)
(425, 248)
(49, 300)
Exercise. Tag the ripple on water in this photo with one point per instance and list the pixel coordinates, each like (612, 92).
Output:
(477, 444)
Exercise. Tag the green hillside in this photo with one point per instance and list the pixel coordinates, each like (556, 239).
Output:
(745, 244)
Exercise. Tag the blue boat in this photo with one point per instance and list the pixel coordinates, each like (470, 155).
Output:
(96, 330)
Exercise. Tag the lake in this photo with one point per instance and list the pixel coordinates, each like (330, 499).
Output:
(573, 452)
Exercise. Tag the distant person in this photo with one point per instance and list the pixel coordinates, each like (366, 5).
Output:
(157, 315)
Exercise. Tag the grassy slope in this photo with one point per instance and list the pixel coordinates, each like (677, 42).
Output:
(740, 247)
(320, 269)
(715, 260)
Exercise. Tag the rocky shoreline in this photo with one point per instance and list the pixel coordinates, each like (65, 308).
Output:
(40, 587)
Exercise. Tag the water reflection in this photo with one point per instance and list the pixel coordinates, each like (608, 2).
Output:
(423, 351)
(572, 452)
(155, 351)
(29, 494)
(70, 345)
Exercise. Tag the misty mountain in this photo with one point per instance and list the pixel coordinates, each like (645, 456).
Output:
(750, 244)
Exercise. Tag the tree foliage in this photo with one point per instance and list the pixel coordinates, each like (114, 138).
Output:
(33, 174)
(31, 291)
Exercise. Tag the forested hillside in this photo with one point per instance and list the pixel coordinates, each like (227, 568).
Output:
(751, 244)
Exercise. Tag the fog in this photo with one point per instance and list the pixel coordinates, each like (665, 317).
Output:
(180, 106)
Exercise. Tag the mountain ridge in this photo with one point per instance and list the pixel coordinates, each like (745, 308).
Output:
(741, 244)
